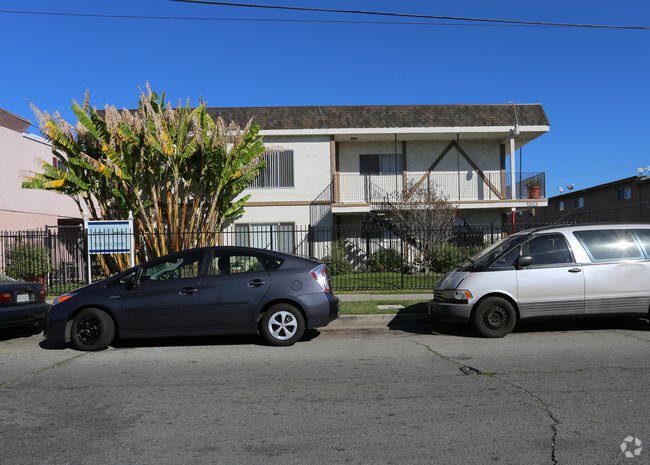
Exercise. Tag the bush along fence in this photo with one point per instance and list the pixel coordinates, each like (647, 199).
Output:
(360, 258)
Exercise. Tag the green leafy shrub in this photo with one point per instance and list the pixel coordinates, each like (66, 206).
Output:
(385, 260)
(444, 257)
(28, 261)
(338, 262)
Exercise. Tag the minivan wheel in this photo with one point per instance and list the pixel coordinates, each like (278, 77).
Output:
(92, 329)
(282, 325)
(494, 317)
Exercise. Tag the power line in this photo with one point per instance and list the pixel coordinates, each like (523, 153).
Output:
(473, 22)
(405, 15)
(268, 20)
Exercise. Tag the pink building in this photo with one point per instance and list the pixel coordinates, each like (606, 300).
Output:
(24, 209)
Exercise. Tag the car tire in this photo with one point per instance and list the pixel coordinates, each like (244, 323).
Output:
(282, 325)
(92, 329)
(494, 317)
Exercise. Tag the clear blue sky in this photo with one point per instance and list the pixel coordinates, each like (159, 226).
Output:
(593, 83)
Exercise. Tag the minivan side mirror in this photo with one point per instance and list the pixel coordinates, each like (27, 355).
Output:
(524, 261)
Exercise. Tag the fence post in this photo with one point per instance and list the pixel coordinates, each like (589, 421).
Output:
(310, 240)
(401, 252)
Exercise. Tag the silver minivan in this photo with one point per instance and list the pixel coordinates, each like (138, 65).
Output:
(548, 272)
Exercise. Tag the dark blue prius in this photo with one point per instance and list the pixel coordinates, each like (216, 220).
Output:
(207, 291)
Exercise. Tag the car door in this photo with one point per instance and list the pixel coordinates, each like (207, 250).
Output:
(553, 284)
(233, 289)
(165, 296)
(617, 279)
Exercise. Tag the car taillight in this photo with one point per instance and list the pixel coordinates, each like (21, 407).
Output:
(42, 294)
(5, 297)
(320, 275)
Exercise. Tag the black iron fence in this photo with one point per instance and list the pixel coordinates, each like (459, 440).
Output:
(366, 257)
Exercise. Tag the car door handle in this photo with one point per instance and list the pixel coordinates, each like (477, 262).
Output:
(187, 291)
(574, 270)
(256, 283)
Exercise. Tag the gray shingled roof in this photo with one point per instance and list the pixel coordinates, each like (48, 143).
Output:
(384, 116)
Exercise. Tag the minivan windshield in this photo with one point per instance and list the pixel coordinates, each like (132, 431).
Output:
(485, 257)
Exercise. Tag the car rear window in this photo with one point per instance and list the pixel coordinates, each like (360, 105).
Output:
(609, 244)
(270, 262)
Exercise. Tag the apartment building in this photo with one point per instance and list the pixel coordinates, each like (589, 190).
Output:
(340, 165)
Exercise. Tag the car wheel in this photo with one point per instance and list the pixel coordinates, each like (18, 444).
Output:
(282, 325)
(494, 317)
(92, 329)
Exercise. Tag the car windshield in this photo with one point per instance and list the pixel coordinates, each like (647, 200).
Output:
(485, 257)
(4, 278)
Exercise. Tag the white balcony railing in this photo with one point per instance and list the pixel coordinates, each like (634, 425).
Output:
(461, 186)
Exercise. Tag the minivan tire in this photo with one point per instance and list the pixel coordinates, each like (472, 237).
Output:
(494, 317)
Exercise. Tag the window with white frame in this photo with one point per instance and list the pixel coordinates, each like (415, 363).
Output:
(271, 236)
(60, 165)
(278, 171)
(380, 164)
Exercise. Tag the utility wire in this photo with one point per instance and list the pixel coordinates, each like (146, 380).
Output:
(268, 20)
(476, 23)
(405, 15)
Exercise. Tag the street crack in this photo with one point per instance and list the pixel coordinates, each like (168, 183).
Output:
(34, 373)
(468, 370)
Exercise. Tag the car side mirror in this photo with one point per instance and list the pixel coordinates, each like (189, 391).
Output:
(524, 261)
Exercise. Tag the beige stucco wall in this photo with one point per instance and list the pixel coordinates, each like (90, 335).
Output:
(312, 172)
(26, 208)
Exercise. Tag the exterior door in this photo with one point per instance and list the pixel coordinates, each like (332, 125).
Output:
(166, 297)
(232, 292)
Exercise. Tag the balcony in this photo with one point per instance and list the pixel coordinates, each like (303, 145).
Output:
(465, 186)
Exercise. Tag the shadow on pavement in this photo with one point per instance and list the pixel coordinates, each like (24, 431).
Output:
(427, 324)
(188, 341)
(18, 332)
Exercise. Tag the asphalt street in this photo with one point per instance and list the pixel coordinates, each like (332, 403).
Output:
(566, 392)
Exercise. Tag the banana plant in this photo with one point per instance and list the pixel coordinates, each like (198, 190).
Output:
(178, 171)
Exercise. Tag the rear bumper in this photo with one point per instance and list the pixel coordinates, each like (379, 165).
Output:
(22, 315)
(323, 309)
(457, 313)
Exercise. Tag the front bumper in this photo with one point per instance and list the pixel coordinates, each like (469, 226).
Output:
(23, 314)
(459, 313)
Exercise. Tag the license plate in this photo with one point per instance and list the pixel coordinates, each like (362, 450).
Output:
(22, 297)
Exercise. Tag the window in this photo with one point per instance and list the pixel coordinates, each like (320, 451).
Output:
(272, 236)
(546, 249)
(612, 244)
(579, 202)
(560, 206)
(227, 264)
(624, 194)
(60, 165)
(644, 238)
(380, 164)
(179, 267)
(278, 171)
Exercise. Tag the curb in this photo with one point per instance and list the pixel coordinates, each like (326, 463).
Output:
(386, 321)
(370, 297)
